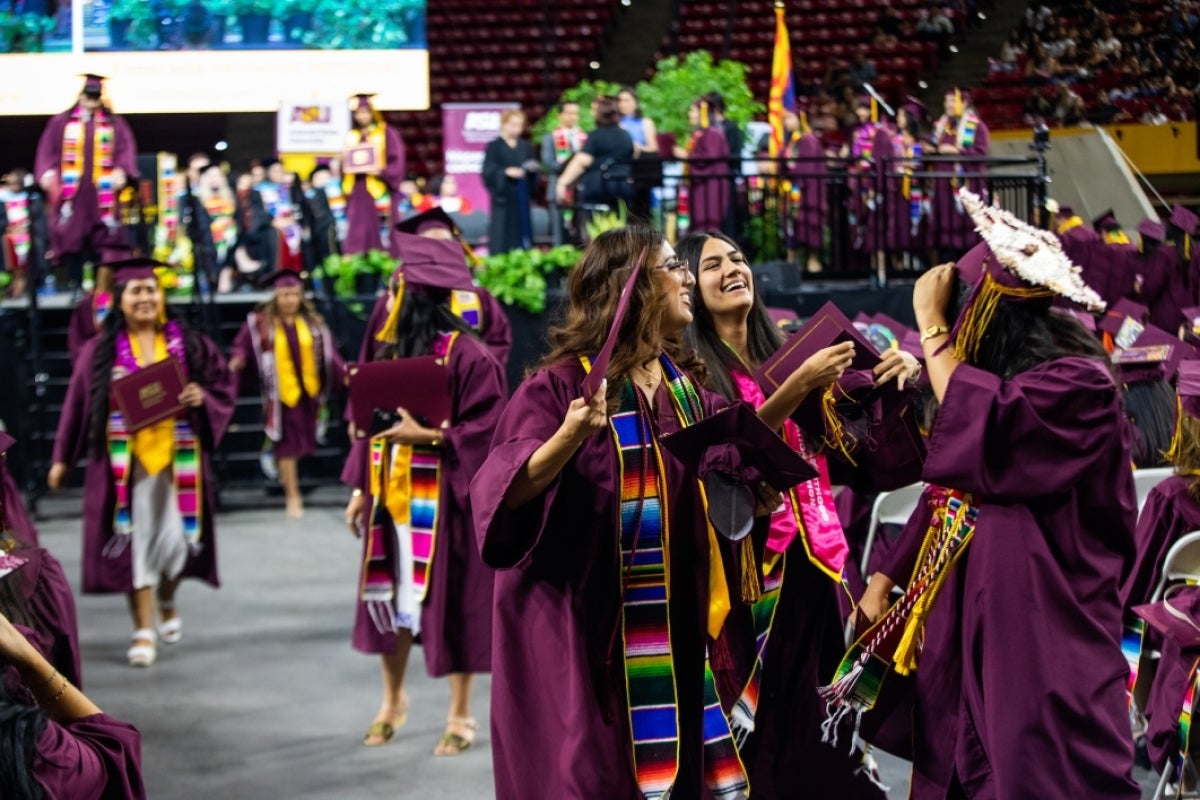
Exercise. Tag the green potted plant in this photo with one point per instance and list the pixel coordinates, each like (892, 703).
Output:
(132, 25)
(297, 17)
(254, 18)
(518, 278)
(358, 274)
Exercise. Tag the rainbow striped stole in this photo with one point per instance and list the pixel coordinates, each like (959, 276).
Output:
(1185, 720)
(763, 611)
(645, 594)
(185, 469)
(426, 471)
(379, 578)
(1131, 649)
(895, 640)
(74, 156)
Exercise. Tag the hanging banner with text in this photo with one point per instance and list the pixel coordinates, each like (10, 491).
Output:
(312, 126)
(466, 130)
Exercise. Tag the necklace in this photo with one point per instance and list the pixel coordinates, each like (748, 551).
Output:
(651, 377)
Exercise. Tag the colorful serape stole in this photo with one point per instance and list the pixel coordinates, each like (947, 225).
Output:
(185, 458)
(895, 640)
(168, 198)
(74, 157)
(379, 582)
(763, 611)
(467, 307)
(1131, 648)
(967, 127)
(426, 469)
(645, 622)
(16, 210)
(1185, 724)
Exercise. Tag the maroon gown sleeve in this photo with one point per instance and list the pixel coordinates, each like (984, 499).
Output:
(242, 348)
(82, 326)
(1035, 435)
(710, 144)
(1160, 524)
(92, 758)
(477, 386)
(49, 149)
(125, 147)
(394, 167)
(354, 472)
(507, 536)
(497, 333)
(70, 439)
(51, 607)
(219, 398)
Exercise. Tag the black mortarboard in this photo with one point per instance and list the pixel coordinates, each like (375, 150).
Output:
(93, 84)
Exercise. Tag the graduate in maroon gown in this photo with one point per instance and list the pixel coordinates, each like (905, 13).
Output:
(1173, 689)
(805, 191)
(958, 132)
(286, 341)
(41, 591)
(372, 193)
(1012, 625)
(422, 577)
(1170, 285)
(56, 742)
(89, 312)
(148, 504)
(477, 306)
(786, 642)
(707, 157)
(85, 157)
(601, 686)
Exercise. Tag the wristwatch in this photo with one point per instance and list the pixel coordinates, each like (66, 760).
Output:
(933, 331)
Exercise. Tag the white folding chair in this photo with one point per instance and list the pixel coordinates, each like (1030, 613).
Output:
(1146, 479)
(891, 508)
(1182, 563)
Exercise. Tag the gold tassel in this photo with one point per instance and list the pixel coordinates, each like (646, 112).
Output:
(874, 110)
(751, 586)
(388, 332)
(703, 114)
(1172, 453)
(958, 103)
(804, 128)
(835, 432)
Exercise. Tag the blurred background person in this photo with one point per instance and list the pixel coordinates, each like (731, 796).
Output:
(510, 168)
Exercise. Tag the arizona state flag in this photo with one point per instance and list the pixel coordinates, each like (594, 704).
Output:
(783, 88)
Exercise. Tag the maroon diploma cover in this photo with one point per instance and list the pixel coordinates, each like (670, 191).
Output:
(827, 327)
(419, 385)
(361, 158)
(149, 395)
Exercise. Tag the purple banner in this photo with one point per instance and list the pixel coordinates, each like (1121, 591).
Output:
(466, 130)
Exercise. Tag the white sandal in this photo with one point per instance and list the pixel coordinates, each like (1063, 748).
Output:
(170, 630)
(142, 655)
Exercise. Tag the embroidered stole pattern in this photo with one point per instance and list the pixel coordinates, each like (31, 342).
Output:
(467, 307)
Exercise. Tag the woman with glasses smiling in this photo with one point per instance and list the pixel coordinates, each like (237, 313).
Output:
(601, 686)
(776, 712)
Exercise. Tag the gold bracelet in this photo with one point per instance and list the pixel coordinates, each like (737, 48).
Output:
(66, 683)
(53, 675)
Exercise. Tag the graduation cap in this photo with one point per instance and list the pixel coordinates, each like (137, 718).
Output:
(1146, 363)
(1114, 318)
(730, 450)
(135, 269)
(1082, 317)
(10, 563)
(591, 383)
(914, 108)
(1188, 387)
(93, 85)
(361, 100)
(281, 278)
(1176, 617)
(434, 218)
(434, 263)
(1184, 219)
(1180, 351)
(1152, 229)
(1106, 220)
(782, 317)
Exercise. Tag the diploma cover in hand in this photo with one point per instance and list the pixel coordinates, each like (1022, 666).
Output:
(150, 394)
(420, 385)
(361, 159)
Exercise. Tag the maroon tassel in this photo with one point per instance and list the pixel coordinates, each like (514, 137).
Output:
(728, 687)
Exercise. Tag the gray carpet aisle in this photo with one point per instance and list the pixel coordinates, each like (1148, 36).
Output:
(264, 698)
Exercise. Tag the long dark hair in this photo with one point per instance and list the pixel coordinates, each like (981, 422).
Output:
(763, 338)
(1150, 406)
(424, 314)
(593, 291)
(105, 356)
(1023, 335)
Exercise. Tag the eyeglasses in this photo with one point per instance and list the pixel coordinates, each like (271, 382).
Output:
(675, 265)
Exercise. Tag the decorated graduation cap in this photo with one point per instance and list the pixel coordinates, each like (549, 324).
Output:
(425, 263)
(1147, 363)
(281, 279)
(1116, 316)
(93, 85)
(1016, 262)
(1187, 399)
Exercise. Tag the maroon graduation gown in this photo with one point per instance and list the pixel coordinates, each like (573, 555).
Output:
(362, 217)
(708, 180)
(456, 616)
(106, 575)
(82, 326)
(92, 758)
(1165, 702)
(1020, 689)
(809, 212)
(1168, 288)
(951, 227)
(298, 423)
(560, 725)
(83, 227)
(1167, 515)
(496, 333)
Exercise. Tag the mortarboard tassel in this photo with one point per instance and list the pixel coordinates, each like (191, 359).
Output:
(703, 115)
(958, 103)
(835, 432)
(1172, 452)
(388, 332)
(751, 587)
